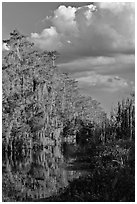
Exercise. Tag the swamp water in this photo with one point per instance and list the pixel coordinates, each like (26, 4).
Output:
(40, 174)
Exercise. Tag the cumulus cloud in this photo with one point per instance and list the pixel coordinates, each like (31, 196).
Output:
(64, 20)
(92, 30)
(48, 39)
(96, 43)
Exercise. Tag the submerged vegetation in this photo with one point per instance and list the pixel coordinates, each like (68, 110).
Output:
(43, 111)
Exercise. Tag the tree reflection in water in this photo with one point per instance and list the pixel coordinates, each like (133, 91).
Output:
(33, 176)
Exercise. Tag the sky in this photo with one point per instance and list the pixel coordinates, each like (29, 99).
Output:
(96, 42)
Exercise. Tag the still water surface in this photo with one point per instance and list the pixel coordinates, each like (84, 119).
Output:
(40, 174)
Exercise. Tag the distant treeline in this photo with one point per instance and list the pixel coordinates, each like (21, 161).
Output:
(41, 105)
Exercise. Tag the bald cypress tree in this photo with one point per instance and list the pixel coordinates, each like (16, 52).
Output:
(124, 119)
(38, 100)
(27, 77)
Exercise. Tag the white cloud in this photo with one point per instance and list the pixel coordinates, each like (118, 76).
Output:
(97, 46)
(101, 64)
(108, 30)
(116, 7)
(64, 20)
(48, 39)
(5, 47)
(111, 83)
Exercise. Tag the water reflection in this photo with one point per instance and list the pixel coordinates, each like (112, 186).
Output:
(38, 174)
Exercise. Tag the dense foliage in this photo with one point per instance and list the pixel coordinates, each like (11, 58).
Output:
(39, 102)
(42, 108)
